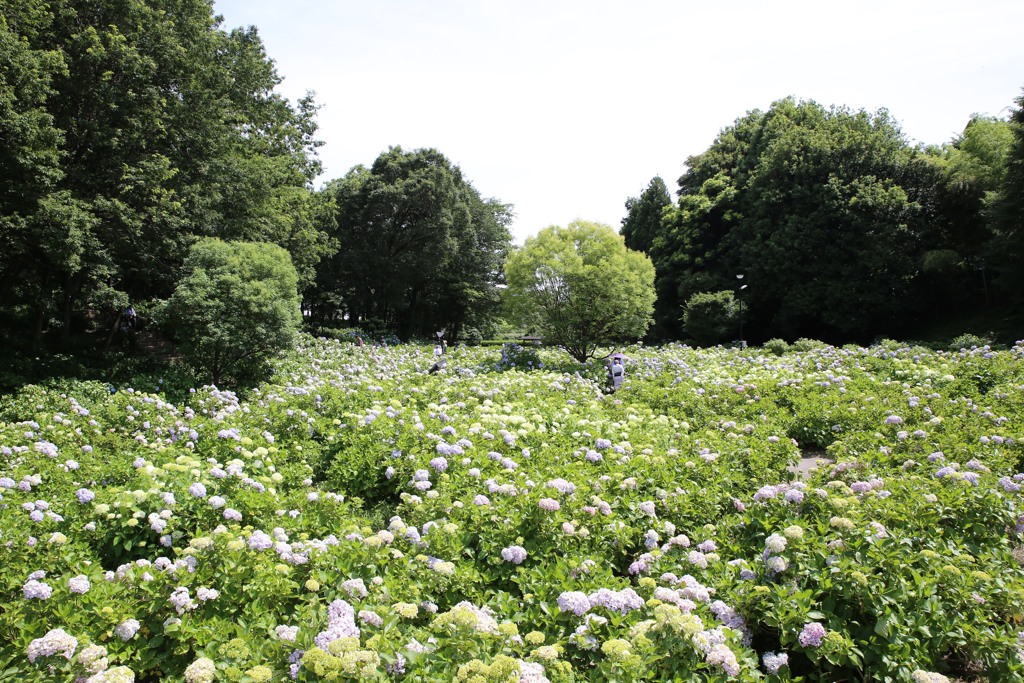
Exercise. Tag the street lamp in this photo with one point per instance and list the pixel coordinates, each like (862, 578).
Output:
(739, 299)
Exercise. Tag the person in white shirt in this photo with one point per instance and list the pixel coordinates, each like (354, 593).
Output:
(618, 372)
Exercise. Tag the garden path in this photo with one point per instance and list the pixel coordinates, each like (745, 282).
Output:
(802, 469)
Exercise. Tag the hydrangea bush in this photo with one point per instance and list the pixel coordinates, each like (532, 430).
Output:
(361, 519)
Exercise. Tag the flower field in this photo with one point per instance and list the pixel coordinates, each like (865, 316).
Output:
(361, 519)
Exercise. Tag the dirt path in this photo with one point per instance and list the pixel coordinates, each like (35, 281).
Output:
(808, 462)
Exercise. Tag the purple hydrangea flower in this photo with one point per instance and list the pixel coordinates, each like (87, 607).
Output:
(340, 624)
(514, 554)
(260, 540)
(574, 601)
(773, 662)
(79, 584)
(566, 488)
(36, 590)
(812, 635)
(355, 588)
(127, 629)
(370, 618)
(623, 601)
(55, 642)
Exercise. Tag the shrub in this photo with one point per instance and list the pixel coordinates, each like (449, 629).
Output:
(472, 336)
(350, 335)
(803, 344)
(516, 357)
(776, 346)
(966, 341)
(711, 317)
(236, 307)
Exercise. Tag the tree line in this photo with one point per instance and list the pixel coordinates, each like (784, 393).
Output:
(136, 134)
(133, 130)
(840, 229)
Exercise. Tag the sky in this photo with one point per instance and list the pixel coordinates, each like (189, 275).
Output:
(567, 108)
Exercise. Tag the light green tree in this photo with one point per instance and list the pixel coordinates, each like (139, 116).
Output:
(580, 286)
(235, 308)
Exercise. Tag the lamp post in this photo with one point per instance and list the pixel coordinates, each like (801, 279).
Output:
(739, 299)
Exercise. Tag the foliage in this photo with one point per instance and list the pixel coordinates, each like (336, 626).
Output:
(843, 230)
(804, 344)
(131, 128)
(580, 286)
(711, 317)
(1008, 208)
(421, 250)
(517, 357)
(777, 347)
(643, 215)
(236, 307)
(968, 341)
(472, 336)
(359, 517)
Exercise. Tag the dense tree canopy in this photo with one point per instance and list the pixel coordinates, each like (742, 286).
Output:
(420, 250)
(1009, 211)
(580, 287)
(236, 306)
(829, 213)
(967, 175)
(643, 215)
(129, 129)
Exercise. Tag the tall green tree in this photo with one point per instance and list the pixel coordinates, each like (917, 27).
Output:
(580, 287)
(643, 215)
(165, 128)
(30, 168)
(419, 248)
(235, 308)
(817, 207)
(1008, 211)
(967, 175)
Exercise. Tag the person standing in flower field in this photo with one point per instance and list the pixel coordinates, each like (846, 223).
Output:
(617, 372)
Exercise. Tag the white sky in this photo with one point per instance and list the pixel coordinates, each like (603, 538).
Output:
(566, 108)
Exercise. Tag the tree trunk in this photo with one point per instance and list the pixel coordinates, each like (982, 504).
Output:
(113, 331)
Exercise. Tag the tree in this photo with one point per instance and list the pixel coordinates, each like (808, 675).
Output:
(580, 286)
(420, 250)
(1009, 210)
(818, 207)
(236, 307)
(137, 127)
(710, 317)
(643, 215)
(966, 176)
